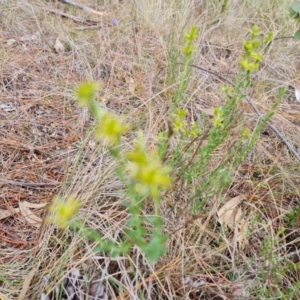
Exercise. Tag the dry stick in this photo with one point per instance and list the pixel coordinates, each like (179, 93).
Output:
(28, 184)
(42, 229)
(248, 99)
(74, 18)
(13, 241)
(86, 8)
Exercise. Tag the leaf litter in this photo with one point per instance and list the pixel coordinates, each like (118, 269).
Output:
(232, 216)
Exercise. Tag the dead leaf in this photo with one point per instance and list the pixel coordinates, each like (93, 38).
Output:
(7, 213)
(297, 94)
(26, 283)
(231, 215)
(59, 47)
(131, 84)
(34, 205)
(241, 230)
(32, 176)
(10, 42)
(230, 212)
(30, 217)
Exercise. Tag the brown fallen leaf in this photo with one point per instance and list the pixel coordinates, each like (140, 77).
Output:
(34, 205)
(241, 230)
(231, 215)
(58, 46)
(10, 42)
(297, 91)
(30, 217)
(131, 84)
(7, 213)
(230, 211)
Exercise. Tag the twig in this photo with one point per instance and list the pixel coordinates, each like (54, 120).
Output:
(248, 99)
(284, 37)
(42, 229)
(86, 8)
(28, 184)
(74, 18)
(19, 242)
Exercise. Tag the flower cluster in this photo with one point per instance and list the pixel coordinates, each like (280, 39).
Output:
(190, 38)
(218, 118)
(110, 127)
(252, 58)
(63, 210)
(179, 123)
(147, 170)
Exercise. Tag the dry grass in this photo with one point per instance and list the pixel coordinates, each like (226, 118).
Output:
(45, 137)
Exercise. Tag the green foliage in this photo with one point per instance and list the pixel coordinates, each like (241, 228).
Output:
(143, 174)
(292, 218)
(224, 6)
(252, 57)
(295, 14)
(188, 50)
(297, 35)
(195, 155)
(146, 174)
(296, 6)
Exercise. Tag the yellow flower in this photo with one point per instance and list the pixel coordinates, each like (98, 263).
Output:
(248, 46)
(192, 34)
(63, 210)
(151, 177)
(245, 133)
(179, 123)
(218, 118)
(249, 65)
(87, 92)
(147, 170)
(138, 155)
(110, 128)
(195, 130)
(255, 31)
(154, 174)
(257, 56)
(269, 37)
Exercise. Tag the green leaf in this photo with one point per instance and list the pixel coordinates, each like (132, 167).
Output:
(155, 248)
(296, 6)
(297, 35)
(293, 14)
